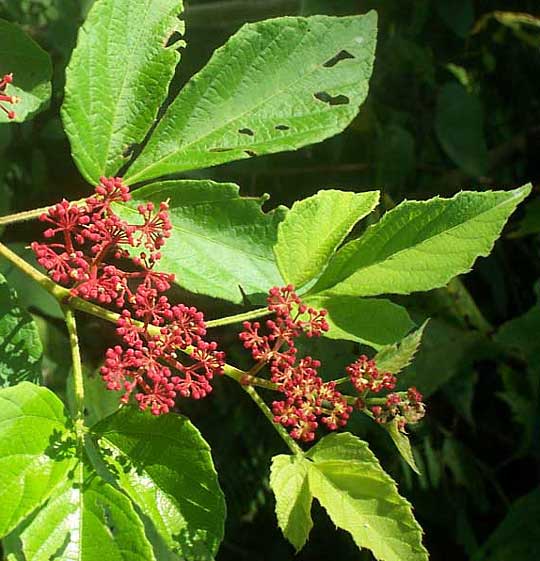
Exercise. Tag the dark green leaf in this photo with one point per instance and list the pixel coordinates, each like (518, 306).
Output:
(31, 68)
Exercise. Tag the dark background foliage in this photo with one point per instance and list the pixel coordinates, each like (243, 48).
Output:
(454, 104)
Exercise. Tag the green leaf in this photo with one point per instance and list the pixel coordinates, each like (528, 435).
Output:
(289, 482)
(348, 481)
(165, 467)
(20, 345)
(32, 461)
(117, 79)
(459, 124)
(402, 443)
(86, 519)
(373, 321)
(31, 68)
(276, 85)
(518, 536)
(420, 245)
(394, 358)
(221, 243)
(314, 228)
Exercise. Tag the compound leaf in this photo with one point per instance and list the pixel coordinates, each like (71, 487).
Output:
(276, 85)
(420, 245)
(166, 468)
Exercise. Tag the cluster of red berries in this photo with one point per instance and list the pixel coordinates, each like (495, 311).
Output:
(4, 98)
(87, 245)
(308, 399)
(365, 376)
(403, 410)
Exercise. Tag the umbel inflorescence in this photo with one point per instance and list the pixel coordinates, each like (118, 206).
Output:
(10, 100)
(309, 400)
(87, 248)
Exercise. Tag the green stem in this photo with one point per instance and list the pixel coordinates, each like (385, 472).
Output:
(237, 318)
(291, 443)
(78, 381)
(28, 214)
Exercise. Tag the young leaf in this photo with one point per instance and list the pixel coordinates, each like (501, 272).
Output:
(117, 79)
(289, 482)
(86, 519)
(31, 68)
(20, 345)
(32, 459)
(276, 85)
(314, 228)
(394, 358)
(348, 481)
(165, 467)
(420, 245)
(373, 321)
(402, 443)
(220, 242)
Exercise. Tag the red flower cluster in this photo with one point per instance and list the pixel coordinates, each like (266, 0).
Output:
(365, 376)
(404, 410)
(4, 98)
(307, 398)
(92, 242)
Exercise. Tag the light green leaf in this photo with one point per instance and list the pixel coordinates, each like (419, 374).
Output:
(32, 459)
(394, 358)
(372, 321)
(276, 85)
(420, 245)
(31, 68)
(165, 467)
(459, 124)
(348, 481)
(117, 78)
(20, 345)
(89, 520)
(314, 228)
(289, 482)
(221, 243)
(402, 443)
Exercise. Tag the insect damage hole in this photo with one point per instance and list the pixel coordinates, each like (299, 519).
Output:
(282, 127)
(250, 153)
(246, 131)
(342, 55)
(325, 97)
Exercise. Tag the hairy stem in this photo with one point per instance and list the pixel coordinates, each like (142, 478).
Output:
(78, 382)
(237, 318)
(291, 443)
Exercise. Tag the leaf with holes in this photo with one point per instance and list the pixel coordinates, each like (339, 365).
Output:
(342, 473)
(314, 228)
(35, 451)
(373, 321)
(20, 345)
(165, 467)
(420, 245)
(31, 68)
(117, 78)
(221, 243)
(85, 519)
(276, 85)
